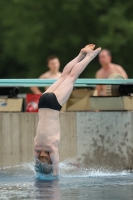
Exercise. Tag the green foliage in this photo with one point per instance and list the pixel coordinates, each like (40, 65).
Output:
(31, 30)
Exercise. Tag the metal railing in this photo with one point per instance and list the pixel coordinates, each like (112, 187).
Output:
(48, 82)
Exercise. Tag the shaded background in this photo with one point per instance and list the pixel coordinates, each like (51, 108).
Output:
(31, 30)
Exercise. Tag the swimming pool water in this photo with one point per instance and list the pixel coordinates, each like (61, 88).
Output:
(20, 182)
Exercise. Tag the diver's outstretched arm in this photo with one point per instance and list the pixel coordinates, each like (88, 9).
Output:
(54, 155)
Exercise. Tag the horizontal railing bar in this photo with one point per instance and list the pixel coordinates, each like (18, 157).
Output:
(48, 82)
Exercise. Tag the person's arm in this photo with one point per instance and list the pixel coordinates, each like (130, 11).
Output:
(54, 155)
(122, 72)
(36, 90)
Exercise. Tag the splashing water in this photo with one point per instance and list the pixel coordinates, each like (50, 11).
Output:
(21, 182)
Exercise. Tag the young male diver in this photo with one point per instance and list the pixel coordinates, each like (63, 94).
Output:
(46, 142)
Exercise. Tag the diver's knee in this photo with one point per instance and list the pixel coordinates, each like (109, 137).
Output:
(73, 76)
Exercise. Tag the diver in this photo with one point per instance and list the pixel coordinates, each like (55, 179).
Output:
(47, 140)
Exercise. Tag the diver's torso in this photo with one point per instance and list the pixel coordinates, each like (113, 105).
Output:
(48, 129)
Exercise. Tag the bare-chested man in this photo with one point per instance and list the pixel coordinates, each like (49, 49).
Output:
(53, 73)
(107, 69)
(46, 142)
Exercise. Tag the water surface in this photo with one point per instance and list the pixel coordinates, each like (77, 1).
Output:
(20, 182)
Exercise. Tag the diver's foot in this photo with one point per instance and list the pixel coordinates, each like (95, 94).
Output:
(88, 49)
(93, 53)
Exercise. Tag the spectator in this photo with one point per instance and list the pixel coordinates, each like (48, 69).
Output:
(53, 73)
(107, 69)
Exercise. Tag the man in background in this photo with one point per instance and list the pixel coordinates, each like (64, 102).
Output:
(107, 69)
(53, 64)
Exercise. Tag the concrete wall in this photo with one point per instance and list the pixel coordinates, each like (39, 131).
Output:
(105, 139)
(17, 131)
(97, 139)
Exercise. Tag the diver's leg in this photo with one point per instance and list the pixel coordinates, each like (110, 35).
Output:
(68, 68)
(64, 90)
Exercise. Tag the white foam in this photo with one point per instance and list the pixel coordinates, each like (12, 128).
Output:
(67, 169)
